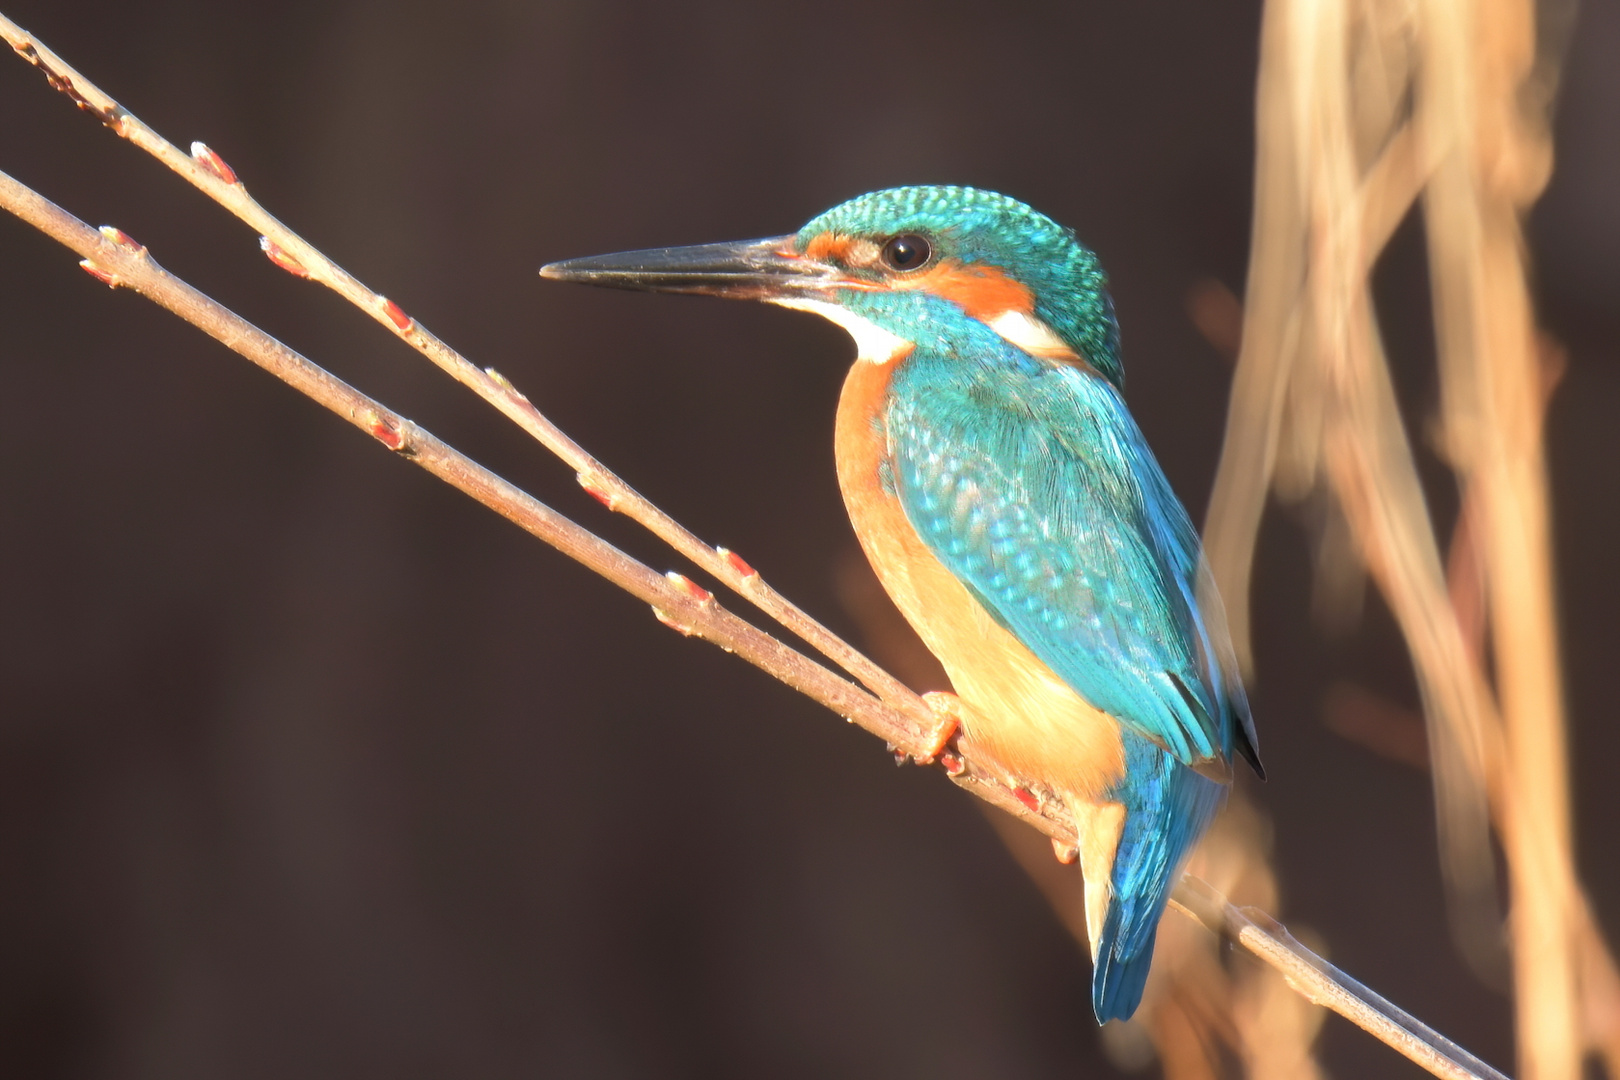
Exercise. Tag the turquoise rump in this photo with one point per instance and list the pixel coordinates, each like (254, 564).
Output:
(1011, 507)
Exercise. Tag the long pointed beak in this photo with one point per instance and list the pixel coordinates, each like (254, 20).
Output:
(749, 270)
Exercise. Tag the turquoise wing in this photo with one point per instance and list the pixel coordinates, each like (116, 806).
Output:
(1033, 485)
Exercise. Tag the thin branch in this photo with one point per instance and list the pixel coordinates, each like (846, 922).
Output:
(1326, 985)
(209, 173)
(112, 257)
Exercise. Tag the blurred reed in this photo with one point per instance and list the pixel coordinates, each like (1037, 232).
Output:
(1365, 109)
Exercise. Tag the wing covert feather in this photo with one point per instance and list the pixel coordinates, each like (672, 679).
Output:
(1041, 495)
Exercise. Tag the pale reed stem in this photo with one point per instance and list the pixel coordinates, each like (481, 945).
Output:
(1477, 58)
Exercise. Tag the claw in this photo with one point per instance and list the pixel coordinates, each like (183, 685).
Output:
(947, 709)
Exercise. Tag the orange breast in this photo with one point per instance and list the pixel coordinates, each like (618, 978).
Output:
(1016, 707)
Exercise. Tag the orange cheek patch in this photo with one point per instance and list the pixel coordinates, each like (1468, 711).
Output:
(982, 292)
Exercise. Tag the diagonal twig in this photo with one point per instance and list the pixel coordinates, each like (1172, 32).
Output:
(112, 257)
(209, 173)
(1326, 985)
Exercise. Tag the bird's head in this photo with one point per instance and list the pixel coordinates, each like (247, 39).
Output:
(904, 265)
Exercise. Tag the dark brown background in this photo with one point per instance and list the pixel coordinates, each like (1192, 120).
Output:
(311, 767)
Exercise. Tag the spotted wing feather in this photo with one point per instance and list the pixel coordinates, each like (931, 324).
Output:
(1035, 487)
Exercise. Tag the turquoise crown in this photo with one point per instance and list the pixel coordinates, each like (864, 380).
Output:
(976, 226)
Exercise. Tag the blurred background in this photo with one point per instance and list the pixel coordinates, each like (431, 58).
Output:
(310, 766)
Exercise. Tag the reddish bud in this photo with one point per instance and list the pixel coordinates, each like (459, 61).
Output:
(384, 431)
(106, 277)
(690, 587)
(1066, 853)
(275, 254)
(953, 764)
(65, 85)
(399, 318)
(110, 115)
(1031, 803)
(513, 394)
(679, 628)
(737, 563)
(212, 162)
(601, 495)
(122, 239)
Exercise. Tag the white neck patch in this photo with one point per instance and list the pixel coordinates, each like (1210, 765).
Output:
(1031, 335)
(873, 343)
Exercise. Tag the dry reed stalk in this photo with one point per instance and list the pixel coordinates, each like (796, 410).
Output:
(1363, 452)
(1342, 153)
(1497, 157)
(1312, 397)
(116, 260)
(1270, 338)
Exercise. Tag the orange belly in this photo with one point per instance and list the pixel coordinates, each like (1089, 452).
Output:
(1016, 707)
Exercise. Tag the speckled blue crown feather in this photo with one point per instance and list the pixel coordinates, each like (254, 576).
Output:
(976, 226)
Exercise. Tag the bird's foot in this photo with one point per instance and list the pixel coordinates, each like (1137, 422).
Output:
(947, 709)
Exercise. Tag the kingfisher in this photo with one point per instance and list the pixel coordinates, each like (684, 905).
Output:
(1012, 509)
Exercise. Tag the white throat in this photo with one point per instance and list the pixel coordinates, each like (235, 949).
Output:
(873, 343)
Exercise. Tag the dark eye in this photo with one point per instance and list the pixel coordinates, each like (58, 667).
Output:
(906, 252)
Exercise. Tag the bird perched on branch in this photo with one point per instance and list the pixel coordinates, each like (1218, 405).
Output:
(1010, 506)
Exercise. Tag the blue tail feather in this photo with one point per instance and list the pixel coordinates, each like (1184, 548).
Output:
(1167, 808)
(1116, 986)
